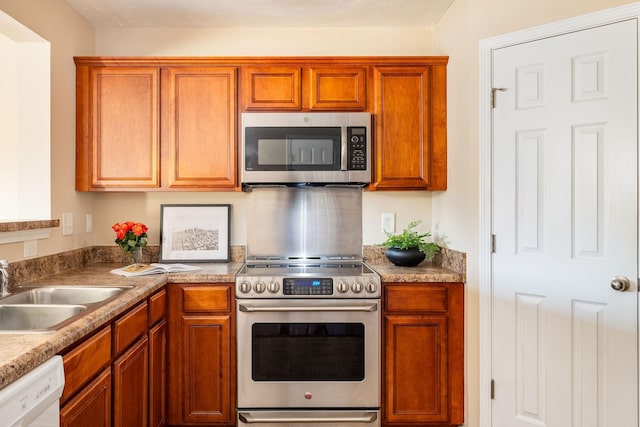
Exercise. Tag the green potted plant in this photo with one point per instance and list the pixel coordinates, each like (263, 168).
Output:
(409, 248)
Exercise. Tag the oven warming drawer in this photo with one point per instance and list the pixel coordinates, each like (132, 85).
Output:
(350, 418)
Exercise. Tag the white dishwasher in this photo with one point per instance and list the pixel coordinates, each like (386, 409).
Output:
(34, 399)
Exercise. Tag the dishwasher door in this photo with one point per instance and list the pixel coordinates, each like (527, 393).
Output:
(34, 399)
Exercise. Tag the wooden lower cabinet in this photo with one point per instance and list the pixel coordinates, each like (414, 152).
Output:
(90, 407)
(131, 386)
(158, 374)
(201, 389)
(423, 352)
(117, 376)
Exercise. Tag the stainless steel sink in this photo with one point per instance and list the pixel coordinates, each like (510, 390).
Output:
(47, 308)
(63, 295)
(36, 318)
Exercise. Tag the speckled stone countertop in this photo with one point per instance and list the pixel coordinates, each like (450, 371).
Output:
(19, 353)
(448, 266)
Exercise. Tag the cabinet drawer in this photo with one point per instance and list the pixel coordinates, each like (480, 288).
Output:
(84, 361)
(416, 298)
(206, 298)
(157, 306)
(129, 327)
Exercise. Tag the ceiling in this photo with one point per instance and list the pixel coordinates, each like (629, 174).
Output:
(261, 13)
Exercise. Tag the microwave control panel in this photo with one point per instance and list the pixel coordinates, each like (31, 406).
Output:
(357, 136)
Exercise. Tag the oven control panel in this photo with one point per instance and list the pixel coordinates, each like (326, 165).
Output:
(307, 287)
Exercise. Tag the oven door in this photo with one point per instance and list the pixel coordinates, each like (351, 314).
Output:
(308, 353)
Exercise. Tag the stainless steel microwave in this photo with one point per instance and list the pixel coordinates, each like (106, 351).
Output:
(316, 148)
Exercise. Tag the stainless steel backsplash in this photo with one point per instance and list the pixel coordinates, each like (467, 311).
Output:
(304, 222)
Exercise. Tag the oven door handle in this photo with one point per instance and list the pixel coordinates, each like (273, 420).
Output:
(312, 417)
(250, 308)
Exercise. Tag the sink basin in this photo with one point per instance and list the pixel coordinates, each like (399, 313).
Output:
(63, 295)
(41, 317)
(47, 308)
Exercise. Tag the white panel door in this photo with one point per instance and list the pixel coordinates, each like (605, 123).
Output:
(565, 223)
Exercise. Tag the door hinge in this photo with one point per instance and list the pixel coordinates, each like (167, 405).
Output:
(493, 389)
(493, 243)
(493, 95)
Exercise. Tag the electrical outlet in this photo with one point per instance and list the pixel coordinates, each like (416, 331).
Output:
(389, 222)
(89, 223)
(30, 248)
(67, 224)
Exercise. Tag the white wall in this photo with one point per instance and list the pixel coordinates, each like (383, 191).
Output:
(111, 208)
(68, 34)
(458, 34)
(24, 120)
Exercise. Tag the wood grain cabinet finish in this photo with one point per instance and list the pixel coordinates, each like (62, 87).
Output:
(90, 407)
(201, 355)
(272, 88)
(179, 117)
(423, 368)
(131, 386)
(304, 88)
(117, 376)
(199, 127)
(410, 128)
(177, 126)
(117, 111)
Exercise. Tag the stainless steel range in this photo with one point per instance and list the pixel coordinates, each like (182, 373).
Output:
(308, 323)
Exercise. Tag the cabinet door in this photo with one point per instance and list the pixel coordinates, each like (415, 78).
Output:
(131, 386)
(157, 374)
(199, 127)
(117, 128)
(410, 115)
(206, 369)
(90, 407)
(271, 88)
(416, 378)
(338, 88)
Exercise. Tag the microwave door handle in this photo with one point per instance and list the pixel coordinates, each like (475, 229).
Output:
(344, 148)
(249, 308)
(288, 417)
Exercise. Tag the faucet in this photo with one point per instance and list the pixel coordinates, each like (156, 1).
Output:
(4, 278)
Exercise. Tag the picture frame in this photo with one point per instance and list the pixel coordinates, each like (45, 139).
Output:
(194, 233)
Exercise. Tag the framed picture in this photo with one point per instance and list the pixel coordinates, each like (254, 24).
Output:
(194, 233)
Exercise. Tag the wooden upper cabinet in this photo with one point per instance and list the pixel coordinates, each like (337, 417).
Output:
(160, 127)
(171, 124)
(117, 128)
(410, 128)
(199, 127)
(338, 88)
(304, 88)
(271, 88)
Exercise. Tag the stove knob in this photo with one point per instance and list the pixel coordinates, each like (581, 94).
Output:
(273, 286)
(372, 287)
(343, 287)
(259, 287)
(245, 287)
(356, 287)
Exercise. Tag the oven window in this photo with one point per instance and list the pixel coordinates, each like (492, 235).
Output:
(307, 352)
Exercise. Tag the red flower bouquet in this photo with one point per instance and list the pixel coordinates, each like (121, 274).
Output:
(130, 235)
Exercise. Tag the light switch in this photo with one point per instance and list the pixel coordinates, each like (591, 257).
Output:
(388, 222)
(67, 224)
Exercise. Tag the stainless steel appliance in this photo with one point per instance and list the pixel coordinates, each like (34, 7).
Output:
(306, 148)
(308, 313)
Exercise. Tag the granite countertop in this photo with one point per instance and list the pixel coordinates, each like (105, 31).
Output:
(19, 353)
